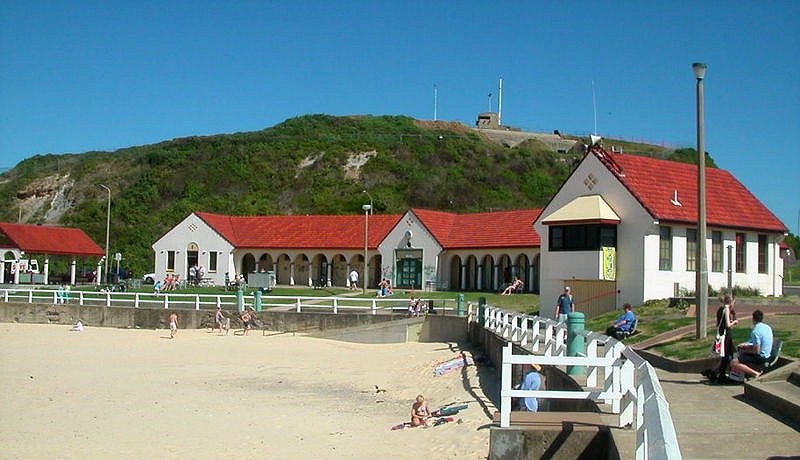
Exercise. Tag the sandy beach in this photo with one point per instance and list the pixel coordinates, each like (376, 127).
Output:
(115, 393)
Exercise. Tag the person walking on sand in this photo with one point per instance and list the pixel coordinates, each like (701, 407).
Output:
(420, 413)
(565, 304)
(173, 325)
(219, 320)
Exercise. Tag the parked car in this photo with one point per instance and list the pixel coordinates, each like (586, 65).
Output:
(149, 278)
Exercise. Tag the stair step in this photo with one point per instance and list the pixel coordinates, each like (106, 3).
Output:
(794, 378)
(781, 397)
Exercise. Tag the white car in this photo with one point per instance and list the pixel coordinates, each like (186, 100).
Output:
(149, 278)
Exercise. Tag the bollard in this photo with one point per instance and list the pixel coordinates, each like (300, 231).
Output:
(460, 311)
(576, 343)
(257, 300)
(240, 299)
(482, 310)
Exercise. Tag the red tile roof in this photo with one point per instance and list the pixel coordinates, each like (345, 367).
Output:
(301, 232)
(43, 239)
(482, 230)
(653, 182)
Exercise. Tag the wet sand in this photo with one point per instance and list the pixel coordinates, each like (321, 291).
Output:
(114, 393)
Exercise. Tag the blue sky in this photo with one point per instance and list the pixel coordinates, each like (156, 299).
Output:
(78, 76)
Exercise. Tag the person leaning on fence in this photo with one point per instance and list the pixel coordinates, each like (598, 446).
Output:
(623, 326)
(531, 380)
(565, 304)
(757, 351)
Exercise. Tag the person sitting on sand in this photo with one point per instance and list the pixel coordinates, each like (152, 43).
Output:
(78, 327)
(513, 287)
(420, 413)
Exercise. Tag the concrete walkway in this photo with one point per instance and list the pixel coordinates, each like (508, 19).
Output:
(714, 421)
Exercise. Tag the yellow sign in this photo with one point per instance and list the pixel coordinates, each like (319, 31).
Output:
(609, 264)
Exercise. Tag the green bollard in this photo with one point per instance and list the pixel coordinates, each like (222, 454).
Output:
(482, 310)
(460, 305)
(257, 296)
(240, 299)
(576, 343)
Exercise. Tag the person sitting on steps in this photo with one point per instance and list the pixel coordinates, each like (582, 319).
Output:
(757, 351)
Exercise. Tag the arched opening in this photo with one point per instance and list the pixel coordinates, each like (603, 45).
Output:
(302, 270)
(248, 265)
(504, 264)
(319, 270)
(488, 274)
(265, 263)
(284, 274)
(375, 273)
(338, 270)
(472, 273)
(8, 259)
(521, 270)
(534, 282)
(455, 273)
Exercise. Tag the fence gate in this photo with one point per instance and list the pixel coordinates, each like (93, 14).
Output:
(594, 297)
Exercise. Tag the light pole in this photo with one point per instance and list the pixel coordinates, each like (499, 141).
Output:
(108, 228)
(701, 273)
(371, 208)
(367, 208)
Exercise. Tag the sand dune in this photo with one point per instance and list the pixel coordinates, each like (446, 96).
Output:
(111, 393)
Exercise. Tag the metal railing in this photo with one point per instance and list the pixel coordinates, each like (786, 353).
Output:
(629, 385)
(170, 300)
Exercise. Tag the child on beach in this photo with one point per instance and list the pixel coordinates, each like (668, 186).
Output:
(173, 325)
(220, 320)
(420, 413)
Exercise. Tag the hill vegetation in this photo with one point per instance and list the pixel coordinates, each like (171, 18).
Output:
(316, 164)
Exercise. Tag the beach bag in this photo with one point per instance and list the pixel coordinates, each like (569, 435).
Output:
(718, 347)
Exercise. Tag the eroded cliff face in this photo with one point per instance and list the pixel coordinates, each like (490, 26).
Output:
(46, 199)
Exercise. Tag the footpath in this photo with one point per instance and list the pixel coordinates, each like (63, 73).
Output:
(716, 421)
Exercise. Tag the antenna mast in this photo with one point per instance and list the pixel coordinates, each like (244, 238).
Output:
(594, 108)
(500, 103)
(435, 102)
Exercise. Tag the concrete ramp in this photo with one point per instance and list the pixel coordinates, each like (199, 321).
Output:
(396, 331)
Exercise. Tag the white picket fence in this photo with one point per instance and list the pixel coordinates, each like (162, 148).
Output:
(170, 300)
(630, 385)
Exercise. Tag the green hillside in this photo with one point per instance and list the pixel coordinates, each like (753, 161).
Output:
(312, 164)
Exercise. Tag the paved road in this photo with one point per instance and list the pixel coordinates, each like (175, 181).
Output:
(714, 421)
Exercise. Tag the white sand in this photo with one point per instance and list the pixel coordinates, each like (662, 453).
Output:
(112, 393)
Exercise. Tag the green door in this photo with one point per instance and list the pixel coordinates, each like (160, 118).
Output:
(409, 273)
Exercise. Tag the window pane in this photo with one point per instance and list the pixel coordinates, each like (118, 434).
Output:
(762, 253)
(691, 249)
(170, 260)
(665, 249)
(575, 237)
(741, 261)
(608, 236)
(716, 251)
(212, 261)
(556, 238)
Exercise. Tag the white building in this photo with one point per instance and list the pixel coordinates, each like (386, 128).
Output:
(418, 249)
(622, 228)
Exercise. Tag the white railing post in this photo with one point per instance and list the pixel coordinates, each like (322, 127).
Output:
(487, 320)
(374, 307)
(55, 297)
(166, 301)
(5, 295)
(136, 300)
(80, 297)
(561, 340)
(219, 302)
(535, 335)
(627, 387)
(591, 352)
(641, 428)
(523, 340)
(505, 388)
(30, 296)
(297, 305)
(548, 340)
(197, 302)
(335, 305)
(108, 299)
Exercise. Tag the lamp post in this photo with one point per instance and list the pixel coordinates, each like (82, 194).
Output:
(701, 272)
(108, 228)
(371, 208)
(367, 208)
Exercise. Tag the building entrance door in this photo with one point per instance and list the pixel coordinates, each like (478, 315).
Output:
(409, 273)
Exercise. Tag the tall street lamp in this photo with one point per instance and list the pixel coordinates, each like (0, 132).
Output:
(701, 273)
(367, 208)
(371, 208)
(108, 228)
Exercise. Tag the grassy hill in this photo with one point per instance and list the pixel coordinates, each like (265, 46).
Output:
(312, 164)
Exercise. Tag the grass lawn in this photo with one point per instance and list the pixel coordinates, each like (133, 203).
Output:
(654, 318)
(786, 327)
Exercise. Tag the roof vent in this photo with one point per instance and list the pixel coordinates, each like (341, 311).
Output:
(674, 200)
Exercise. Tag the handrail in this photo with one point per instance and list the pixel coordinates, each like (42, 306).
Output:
(630, 383)
(177, 300)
